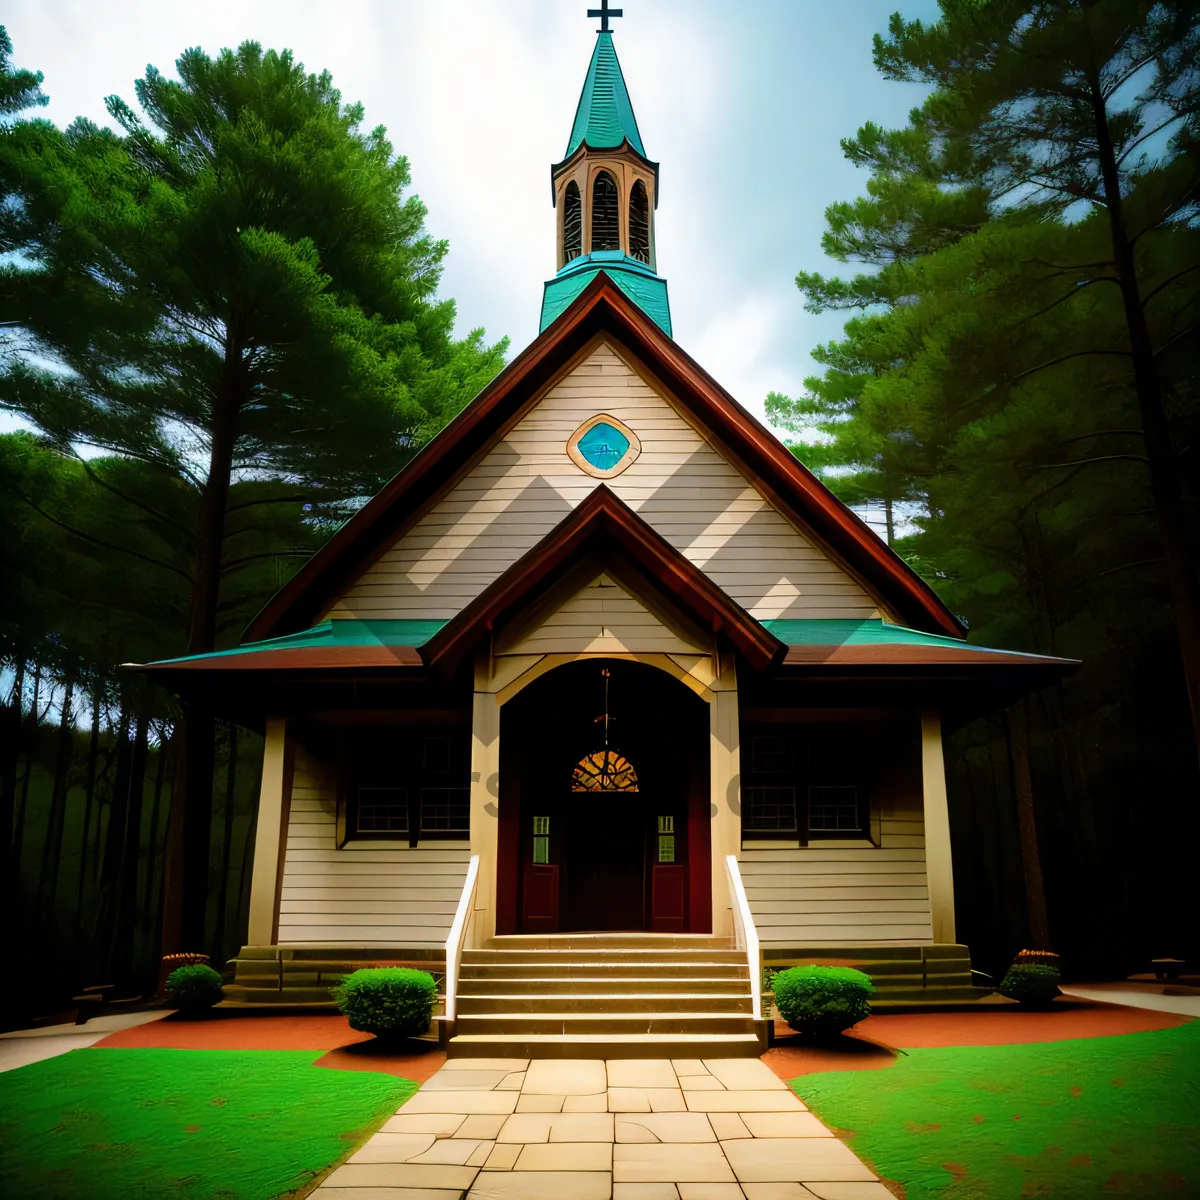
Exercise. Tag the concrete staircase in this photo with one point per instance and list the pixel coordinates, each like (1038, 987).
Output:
(606, 996)
(916, 976)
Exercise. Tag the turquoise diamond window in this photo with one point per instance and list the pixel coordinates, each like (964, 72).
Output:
(603, 446)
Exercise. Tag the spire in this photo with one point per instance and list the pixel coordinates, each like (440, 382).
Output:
(605, 192)
(604, 118)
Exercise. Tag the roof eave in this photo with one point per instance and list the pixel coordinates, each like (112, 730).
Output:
(584, 147)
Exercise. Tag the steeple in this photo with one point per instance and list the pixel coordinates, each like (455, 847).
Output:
(605, 192)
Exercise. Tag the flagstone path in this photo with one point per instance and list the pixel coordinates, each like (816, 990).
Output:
(626, 1129)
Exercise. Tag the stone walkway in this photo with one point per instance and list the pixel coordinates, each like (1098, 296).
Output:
(626, 1129)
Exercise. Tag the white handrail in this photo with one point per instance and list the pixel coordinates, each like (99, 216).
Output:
(458, 935)
(745, 934)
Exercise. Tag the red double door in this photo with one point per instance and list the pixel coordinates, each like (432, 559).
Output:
(609, 861)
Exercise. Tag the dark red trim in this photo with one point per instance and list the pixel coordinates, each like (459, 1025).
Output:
(602, 523)
(602, 309)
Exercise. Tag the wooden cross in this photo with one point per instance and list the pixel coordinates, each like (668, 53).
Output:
(604, 12)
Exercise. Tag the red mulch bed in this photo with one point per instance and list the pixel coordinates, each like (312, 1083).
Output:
(346, 1048)
(874, 1043)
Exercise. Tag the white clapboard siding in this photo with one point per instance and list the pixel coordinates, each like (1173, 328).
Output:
(839, 895)
(526, 484)
(360, 895)
(601, 617)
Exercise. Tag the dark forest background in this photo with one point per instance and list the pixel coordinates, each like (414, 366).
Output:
(220, 318)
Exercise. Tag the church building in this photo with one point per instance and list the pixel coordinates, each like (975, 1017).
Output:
(604, 702)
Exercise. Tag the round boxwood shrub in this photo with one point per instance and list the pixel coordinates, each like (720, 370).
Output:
(193, 988)
(1033, 985)
(390, 1002)
(822, 1001)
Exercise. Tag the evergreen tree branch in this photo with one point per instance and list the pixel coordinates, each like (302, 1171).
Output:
(1087, 462)
(1067, 296)
(229, 567)
(1083, 437)
(269, 500)
(1145, 562)
(1065, 358)
(94, 541)
(1168, 281)
(1183, 333)
(146, 508)
(1157, 129)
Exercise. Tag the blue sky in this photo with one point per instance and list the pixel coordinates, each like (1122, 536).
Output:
(742, 103)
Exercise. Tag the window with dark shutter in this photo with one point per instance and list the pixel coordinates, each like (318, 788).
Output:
(606, 218)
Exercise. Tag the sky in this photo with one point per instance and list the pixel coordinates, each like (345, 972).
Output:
(743, 103)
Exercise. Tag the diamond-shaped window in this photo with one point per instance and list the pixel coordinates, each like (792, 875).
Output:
(604, 446)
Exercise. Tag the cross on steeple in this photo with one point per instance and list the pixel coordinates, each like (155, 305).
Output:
(604, 12)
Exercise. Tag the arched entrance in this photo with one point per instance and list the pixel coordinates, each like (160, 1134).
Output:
(604, 803)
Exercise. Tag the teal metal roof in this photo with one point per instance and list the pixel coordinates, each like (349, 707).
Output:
(646, 289)
(844, 632)
(342, 632)
(604, 118)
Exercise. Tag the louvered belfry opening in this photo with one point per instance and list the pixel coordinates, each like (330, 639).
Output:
(606, 217)
(572, 223)
(639, 223)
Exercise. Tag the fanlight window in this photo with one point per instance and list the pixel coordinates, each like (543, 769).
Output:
(572, 223)
(639, 223)
(604, 771)
(606, 223)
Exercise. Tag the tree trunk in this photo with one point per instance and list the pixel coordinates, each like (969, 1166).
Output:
(890, 519)
(90, 795)
(1031, 859)
(114, 844)
(56, 818)
(30, 740)
(1166, 479)
(126, 907)
(219, 943)
(165, 752)
(185, 865)
(10, 743)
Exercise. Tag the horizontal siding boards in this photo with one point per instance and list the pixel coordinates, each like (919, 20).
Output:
(602, 616)
(526, 484)
(807, 896)
(360, 895)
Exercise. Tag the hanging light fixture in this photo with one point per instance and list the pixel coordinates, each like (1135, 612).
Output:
(604, 770)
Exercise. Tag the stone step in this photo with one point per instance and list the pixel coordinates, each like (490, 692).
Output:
(236, 994)
(600, 1046)
(584, 1002)
(610, 941)
(599, 954)
(910, 997)
(566, 985)
(549, 968)
(517, 1025)
(627, 1045)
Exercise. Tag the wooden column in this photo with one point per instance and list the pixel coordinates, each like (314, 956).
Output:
(725, 768)
(270, 839)
(485, 799)
(938, 864)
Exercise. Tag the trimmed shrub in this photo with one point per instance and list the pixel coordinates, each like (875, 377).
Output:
(193, 988)
(822, 1001)
(1033, 985)
(390, 1002)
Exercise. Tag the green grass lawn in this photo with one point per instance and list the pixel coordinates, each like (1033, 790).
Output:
(1088, 1118)
(197, 1124)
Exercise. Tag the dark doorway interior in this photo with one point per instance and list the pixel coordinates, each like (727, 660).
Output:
(602, 860)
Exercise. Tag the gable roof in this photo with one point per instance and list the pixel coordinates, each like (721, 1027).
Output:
(603, 309)
(604, 118)
(601, 524)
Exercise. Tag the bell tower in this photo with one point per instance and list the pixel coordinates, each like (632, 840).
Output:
(605, 191)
